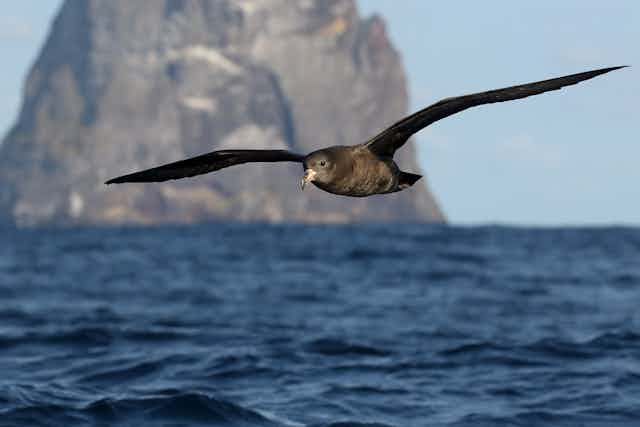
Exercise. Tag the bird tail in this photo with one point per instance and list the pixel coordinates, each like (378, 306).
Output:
(406, 180)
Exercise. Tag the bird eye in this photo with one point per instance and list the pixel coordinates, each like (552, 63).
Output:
(323, 163)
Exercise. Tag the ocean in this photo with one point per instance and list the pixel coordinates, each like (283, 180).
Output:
(293, 325)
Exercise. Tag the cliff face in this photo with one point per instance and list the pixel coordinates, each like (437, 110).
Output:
(122, 85)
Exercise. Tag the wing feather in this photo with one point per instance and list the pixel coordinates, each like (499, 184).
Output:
(206, 163)
(388, 141)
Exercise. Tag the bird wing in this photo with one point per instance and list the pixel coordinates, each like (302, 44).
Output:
(389, 140)
(206, 163)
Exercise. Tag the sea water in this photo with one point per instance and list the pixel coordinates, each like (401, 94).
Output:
(291, 325)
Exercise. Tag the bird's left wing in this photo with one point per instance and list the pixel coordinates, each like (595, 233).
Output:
(388, 141)
(206, 163)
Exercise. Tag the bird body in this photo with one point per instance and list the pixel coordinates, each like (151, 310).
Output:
(359, 170)
(353, 171)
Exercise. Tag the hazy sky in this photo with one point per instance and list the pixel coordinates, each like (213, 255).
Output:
(569, 157)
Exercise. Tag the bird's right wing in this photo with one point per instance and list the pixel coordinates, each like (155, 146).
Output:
(206, 163)
(389, 140)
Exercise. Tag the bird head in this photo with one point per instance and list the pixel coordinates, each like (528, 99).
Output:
(319, 167)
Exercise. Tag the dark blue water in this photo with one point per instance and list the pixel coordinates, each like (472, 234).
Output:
(245, 325)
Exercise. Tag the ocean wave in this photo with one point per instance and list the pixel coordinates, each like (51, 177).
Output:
(365, 389)
(91, 336)
(351, 424)
(552, 348)
(73, 336)
(338, 347)
(192, 409)
(610, 417)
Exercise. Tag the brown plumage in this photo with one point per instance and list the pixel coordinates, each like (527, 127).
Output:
(359, 170)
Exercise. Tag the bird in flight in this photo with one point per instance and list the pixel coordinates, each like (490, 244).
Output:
(357, 170)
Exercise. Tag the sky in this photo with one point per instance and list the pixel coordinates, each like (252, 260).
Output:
(564, 158)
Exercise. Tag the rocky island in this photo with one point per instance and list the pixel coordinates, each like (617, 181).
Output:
(124, 85)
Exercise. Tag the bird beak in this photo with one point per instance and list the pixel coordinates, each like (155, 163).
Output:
(309, 174)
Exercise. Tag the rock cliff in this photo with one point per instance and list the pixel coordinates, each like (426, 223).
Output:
(122, 85)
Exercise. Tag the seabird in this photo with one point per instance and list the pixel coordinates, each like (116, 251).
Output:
(357, 170)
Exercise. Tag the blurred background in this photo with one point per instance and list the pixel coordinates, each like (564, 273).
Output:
(558, 159)
(503, 290)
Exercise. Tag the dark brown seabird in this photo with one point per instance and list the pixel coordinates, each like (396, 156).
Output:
(358, 170)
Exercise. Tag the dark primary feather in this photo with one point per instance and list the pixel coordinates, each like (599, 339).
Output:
(388, 141)
(206, 163)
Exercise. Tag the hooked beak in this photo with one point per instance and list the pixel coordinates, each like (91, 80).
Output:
(309, 174)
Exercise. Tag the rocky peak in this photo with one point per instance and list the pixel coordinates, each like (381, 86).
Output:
(122, 85)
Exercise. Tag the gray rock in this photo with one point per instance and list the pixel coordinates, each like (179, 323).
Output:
(122, 85)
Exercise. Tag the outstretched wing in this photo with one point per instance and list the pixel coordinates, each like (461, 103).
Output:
(388, 141)
(206, 163)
